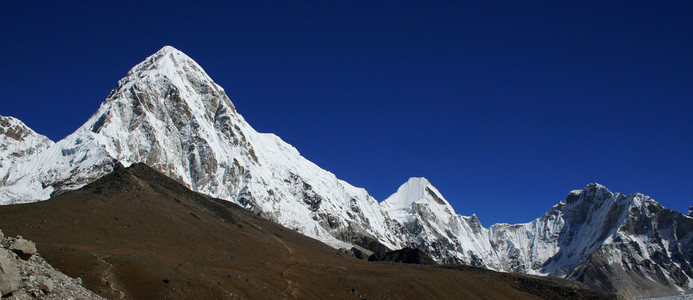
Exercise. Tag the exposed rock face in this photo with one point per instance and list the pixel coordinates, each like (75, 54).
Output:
(405, 256)
(31, 277)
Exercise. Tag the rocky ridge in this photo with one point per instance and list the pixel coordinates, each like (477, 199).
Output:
(24, 274)
(612, 242)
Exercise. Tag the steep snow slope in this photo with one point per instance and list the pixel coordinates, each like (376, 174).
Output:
(649, 254)
(18, 143)
(428, 222)
(169, 114)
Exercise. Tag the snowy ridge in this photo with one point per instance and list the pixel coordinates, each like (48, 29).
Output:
(18, 144)
(595, 236)
(167, 112)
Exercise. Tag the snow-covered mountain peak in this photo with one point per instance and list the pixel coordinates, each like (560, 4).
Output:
(17, 142)
(175, 76)
(166, 58)
(168, 113)
(593, 192)
(690, 211)
(417, 190)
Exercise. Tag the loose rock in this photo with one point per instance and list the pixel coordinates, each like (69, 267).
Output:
(32, 277)
(10, 278)
(45, 284)
(23, 248)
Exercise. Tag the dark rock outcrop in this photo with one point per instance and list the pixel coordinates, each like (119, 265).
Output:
(404, 256)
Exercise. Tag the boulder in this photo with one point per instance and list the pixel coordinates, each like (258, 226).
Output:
(45, 284)
(23, 248)
(10, 278)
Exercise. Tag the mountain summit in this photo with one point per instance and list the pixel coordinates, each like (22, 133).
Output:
(168, 114)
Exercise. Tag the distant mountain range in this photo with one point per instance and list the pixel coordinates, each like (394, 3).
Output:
(167, 113)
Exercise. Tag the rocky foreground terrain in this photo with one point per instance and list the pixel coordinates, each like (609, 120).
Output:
(136, 234)
(24, 274)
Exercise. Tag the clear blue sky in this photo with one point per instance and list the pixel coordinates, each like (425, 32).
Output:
(505, 106)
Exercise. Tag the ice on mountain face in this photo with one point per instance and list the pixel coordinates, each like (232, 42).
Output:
(690, 211)
(401, 205)
(428, 222)
(18, 144)
(650, 254)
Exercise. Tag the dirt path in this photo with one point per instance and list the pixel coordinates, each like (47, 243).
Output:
(291, 287)
(107, 278)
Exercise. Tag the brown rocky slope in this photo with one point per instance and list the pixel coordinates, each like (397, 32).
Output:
(137, 234)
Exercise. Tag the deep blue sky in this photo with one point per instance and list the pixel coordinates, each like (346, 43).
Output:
(505, 106)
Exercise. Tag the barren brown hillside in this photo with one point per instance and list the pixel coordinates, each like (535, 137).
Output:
(138, 234)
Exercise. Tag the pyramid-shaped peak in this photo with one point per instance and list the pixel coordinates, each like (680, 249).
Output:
(169, 49)
(592, 194)
(169, 62)
(165, 72)
(169, 52)
(418, 181)
(415, 190)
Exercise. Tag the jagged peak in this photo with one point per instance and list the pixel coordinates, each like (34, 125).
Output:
(690, 211)
(593, 190)
(13, 128)
(594, 186)
(167, 61)
(165, 80)
(415, 190)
